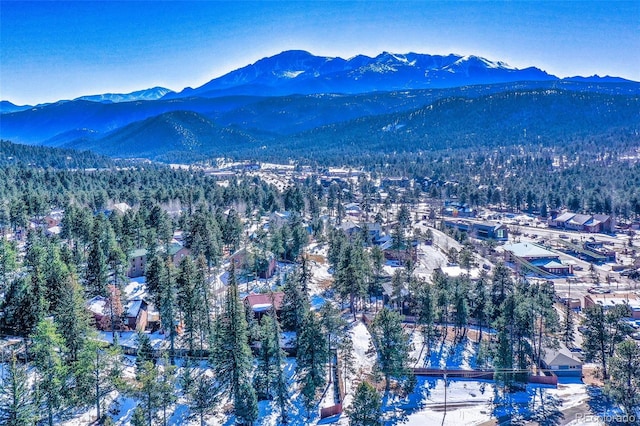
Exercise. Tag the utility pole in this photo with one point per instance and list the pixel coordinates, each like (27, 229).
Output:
(445, 395)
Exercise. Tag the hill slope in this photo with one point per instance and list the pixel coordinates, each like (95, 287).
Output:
(544, 116)
(170, 136)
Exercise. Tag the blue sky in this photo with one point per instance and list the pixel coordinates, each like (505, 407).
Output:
(51, 50)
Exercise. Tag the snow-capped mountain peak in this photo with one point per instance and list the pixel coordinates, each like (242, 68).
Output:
(300, 72)
(140, 95)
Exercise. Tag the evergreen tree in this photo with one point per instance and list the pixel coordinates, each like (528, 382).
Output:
(72, 318)
(97, 269)
(545, 317)
(461, 295)
(351, 275)
(280, 381)
(138, 418)
(568, 333)
(624, 384)
(308, 392)
(50, 368)
(148, 389)
(231, 355)
(267, 368)
(480, 303)
(8, 262)
(366, 408)
(97, 372)
(145, 350)
(55, 275)
(392, 347)
(604, 330)
(425, 312)
(503, 359)
(246, 405)
(166, 387)
(203, 397)
(313, 352)
(347, 357)
(203, 309)
(331, 322)
(17, 399)
(22, 312)
(188, 300)
(501, 285)
(294, 304)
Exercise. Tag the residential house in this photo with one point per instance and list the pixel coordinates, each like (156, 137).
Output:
(266, 264)
(279, 219)
(136, 317)
(261, 303)
(178, 252)
(137, 263)
(562, 362)
(135, 314)
(96, 308)
(53, 219)
(353, 209)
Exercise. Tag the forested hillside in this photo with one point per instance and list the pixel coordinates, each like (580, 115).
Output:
(22, 155)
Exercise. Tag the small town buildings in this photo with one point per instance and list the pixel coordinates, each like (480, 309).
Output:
(607, 301)
(480, 230)
(536, 259)
(562, 362)
(399, 182)
(456, 209)
(583, 223)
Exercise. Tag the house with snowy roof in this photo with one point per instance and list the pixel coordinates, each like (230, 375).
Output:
(562, 362)
(261, 303)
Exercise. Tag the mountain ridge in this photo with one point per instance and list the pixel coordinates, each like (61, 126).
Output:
(300, 72)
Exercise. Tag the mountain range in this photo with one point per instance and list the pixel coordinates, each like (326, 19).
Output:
(291, 95)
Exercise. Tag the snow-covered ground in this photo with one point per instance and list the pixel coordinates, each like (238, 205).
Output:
(472, 402)
(461, 356)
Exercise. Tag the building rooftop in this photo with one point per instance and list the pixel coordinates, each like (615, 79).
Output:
(560, 356)
(613, 299)
(262, 302)
(564, 217)
(528, 250)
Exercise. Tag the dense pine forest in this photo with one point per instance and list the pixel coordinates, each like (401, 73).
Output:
(218, 356)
